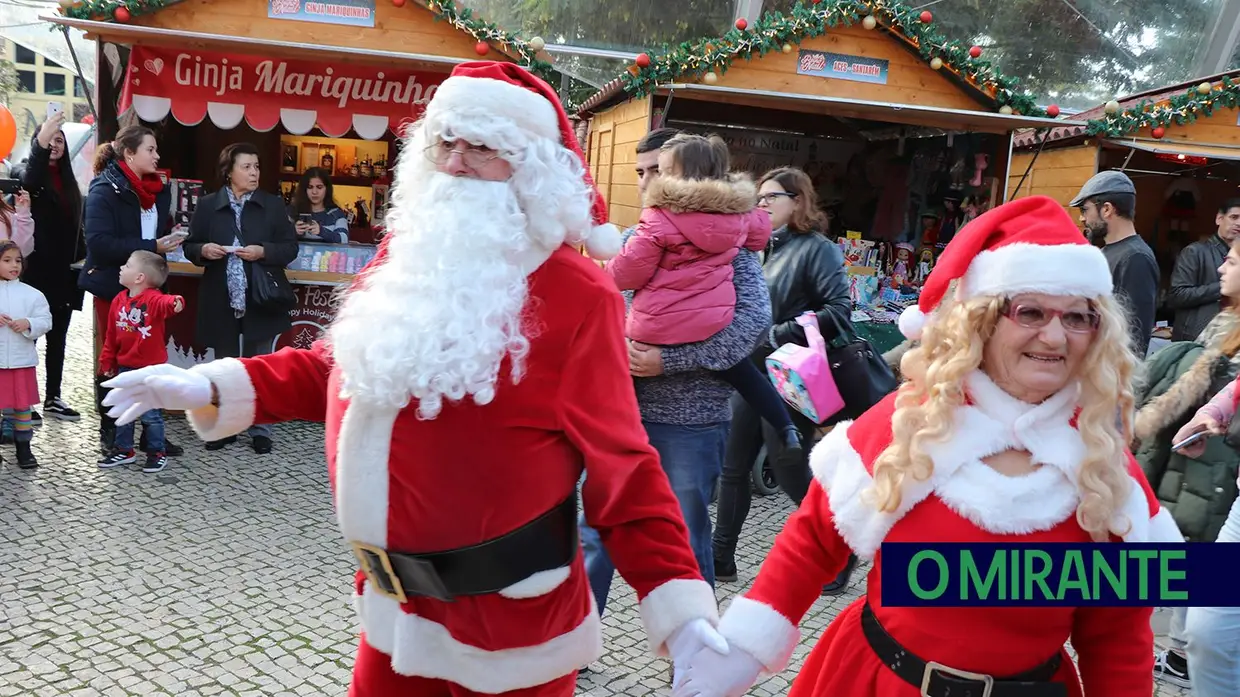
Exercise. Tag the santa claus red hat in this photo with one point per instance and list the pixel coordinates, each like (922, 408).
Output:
(499, 90)
(1029, 245)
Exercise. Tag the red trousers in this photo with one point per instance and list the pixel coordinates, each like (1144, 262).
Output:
(373, 677)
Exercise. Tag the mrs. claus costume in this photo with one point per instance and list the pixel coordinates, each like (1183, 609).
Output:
(1026, 246)
(501, 475)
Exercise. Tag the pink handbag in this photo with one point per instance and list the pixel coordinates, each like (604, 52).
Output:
(802, 374)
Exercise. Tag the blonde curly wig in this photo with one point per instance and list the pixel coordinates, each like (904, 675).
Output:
(951, 349)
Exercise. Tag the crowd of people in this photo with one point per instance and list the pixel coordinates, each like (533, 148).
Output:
(1022, 401)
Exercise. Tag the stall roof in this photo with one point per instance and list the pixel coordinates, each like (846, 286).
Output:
(132, 33)
(939, 117)
(1213, 152)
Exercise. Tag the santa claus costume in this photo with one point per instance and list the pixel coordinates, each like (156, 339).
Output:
(475, 370)
(1029, 246)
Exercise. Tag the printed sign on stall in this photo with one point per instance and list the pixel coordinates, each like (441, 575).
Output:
(842, 67)
(355, 13)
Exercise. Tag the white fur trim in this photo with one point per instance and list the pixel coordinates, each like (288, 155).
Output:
(604, 242)
(1163, 527)
(911, 323)
(666, 608)
(539, 583)
(837, 467)
(237, 398)
(1063, 269)
(1008, 505)
(424, 648)
(530, 112)
(363, 447)
(760, 631)
(1144, 528)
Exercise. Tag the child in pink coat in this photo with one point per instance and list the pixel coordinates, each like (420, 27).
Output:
(678, 261)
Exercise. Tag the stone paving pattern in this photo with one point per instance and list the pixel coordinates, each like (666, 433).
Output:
(226, 574)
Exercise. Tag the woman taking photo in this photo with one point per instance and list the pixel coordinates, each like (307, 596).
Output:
(56, 207)
(316, 217)
(128, 208)
(232, 230)
(805, 273)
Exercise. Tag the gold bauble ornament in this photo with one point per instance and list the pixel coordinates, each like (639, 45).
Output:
(787, 48)
(869, 22)
(936, 63)
(1204, 88)
(537, 44)
(710, 78)
(1005, 110)
(1112, 107)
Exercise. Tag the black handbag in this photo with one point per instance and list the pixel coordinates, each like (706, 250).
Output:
(269, 288)
(861, 375)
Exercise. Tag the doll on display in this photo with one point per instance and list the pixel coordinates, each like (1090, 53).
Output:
(951, 216)
(902, 264)
(959, 172)
(980, 162)
(971, 207)
(924, 265)
(928, 236)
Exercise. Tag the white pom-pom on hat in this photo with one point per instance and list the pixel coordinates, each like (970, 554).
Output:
(912, 322)
(603, 242)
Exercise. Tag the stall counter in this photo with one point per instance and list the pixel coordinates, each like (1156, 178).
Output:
(308, 278)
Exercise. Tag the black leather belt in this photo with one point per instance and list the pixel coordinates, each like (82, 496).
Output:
(936, 680)
(547, 542)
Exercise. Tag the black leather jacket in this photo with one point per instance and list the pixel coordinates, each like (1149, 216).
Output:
(1194, 292)
(805, 272)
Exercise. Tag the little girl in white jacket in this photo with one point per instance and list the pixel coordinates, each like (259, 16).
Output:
(24, 317)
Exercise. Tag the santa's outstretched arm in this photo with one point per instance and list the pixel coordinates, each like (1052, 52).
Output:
(626, 496)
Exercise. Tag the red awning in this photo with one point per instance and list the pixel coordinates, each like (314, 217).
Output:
(194, 85)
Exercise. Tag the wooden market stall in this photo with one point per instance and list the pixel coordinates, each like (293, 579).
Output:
(906, 134)
(1180, 145)
(326, 84)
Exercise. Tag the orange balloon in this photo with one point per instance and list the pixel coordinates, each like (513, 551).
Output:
(8, 132)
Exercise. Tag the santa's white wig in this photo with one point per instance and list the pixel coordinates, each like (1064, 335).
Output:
(437, 318)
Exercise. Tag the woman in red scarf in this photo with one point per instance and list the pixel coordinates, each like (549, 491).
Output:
(128, 208)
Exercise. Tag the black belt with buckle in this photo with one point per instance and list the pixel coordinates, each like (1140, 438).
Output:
(937, 680)
(545, 543)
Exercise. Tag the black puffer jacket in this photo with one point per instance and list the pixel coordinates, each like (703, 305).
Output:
(114, 230)
(805, 272)
(58, 240)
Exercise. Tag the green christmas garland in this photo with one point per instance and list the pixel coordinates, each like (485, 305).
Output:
(814, 19)
(106, 9)
(1179, 110)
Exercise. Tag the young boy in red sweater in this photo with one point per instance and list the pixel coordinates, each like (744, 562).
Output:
(134, 338)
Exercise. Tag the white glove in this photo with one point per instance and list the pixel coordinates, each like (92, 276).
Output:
(690, 638)
(711, 674)
(156, 387)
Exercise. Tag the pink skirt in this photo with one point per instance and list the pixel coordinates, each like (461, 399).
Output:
(19, 388)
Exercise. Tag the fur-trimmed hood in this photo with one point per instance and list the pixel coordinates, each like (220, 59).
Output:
(1189, 390)
(736, 194)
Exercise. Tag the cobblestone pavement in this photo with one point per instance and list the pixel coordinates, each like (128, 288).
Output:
(225, 574)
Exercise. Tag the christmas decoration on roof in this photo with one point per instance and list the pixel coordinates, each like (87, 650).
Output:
(112, 10)
(806, 20)
(1196, 102)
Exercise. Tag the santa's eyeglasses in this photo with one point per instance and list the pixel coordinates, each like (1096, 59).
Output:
(473, 156)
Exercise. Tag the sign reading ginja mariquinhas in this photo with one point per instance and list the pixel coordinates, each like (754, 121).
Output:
(299, 93)
(356, 13)
(842, 67)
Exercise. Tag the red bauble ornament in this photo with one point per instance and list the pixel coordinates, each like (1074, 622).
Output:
(741, 24)
(482, 48)
(976, 52)
(398, 3)
(1158, 132)
(1052, 111)
(926, 17)
(642, 60)
(122, 14)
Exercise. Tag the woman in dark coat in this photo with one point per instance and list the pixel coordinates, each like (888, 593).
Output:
(805, 273)
(128, 208)
(232, 229)
(56, 206)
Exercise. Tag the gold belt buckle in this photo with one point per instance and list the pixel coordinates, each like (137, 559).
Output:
(988, 682)
(382, 577)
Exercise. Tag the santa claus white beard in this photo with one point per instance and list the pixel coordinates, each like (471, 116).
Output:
(436, 319)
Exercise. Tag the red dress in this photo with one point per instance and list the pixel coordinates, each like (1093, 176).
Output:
(963, 501)
(475, 473)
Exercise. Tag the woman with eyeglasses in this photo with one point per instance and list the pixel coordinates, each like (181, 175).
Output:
(805, 273)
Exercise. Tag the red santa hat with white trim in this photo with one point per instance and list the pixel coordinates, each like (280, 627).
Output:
(500, 91)
(1030, 245)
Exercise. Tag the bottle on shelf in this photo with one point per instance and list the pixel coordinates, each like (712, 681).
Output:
(328, 162)
(381, 167)
(354, 169)
(366, 169)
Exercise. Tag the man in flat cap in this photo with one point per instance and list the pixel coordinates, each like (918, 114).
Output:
(1107, 203)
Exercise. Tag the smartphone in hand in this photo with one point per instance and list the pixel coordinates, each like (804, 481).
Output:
(1190, 440)
(54, 108)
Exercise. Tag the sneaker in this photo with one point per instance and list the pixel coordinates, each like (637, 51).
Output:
(725, 571)
(1171, 667)
(57, 408)
(155, 462)
(36, 419)
(117, 458)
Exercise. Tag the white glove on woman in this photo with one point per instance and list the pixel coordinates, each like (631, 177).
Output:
(690, 638)
(156, 387)
(711, 674)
